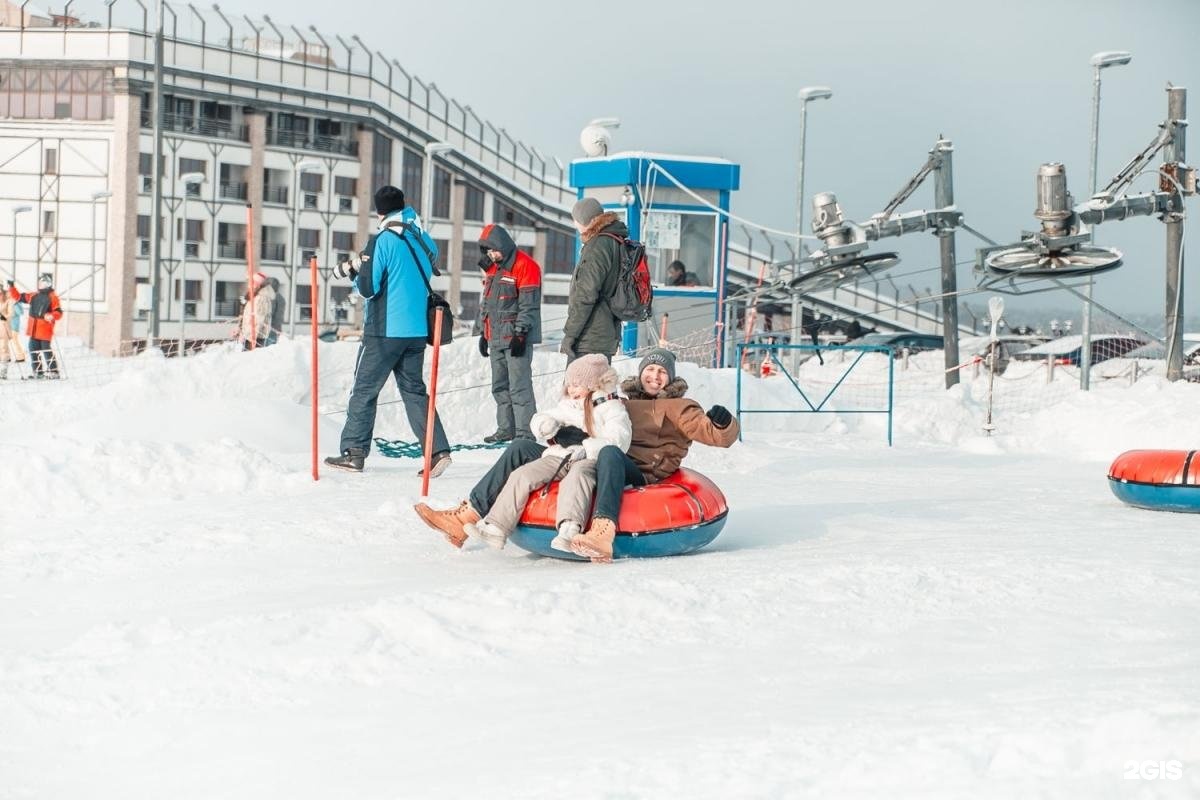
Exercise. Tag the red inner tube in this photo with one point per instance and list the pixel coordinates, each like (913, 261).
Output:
(1157, 467)
(681, 500)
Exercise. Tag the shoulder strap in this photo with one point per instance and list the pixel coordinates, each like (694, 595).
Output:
(416, 262)
(424, 247)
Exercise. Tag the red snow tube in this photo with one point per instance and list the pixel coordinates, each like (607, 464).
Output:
(1163, 480)
(681, 513)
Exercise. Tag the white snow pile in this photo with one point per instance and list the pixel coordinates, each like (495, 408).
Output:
(184, 613)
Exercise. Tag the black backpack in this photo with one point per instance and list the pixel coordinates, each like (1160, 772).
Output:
(633, 296)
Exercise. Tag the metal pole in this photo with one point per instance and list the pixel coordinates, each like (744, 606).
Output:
(1085, 328)
(157, 172)
(800, 180)
(943, 192)
(1175, 153)
(92, 290)
(295, 256)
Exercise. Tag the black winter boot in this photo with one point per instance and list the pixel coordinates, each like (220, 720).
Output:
(498, 436)
(350, 460)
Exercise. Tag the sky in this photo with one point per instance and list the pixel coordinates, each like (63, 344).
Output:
(1010, 84)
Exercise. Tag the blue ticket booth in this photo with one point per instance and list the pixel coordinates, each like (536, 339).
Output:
(678, 206)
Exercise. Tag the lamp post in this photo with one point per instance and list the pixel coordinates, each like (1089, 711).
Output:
(1109, 58)
(92, 290)
(187, 180)
(805, 95)
(301, 168)
(15, 212)
(431, 149)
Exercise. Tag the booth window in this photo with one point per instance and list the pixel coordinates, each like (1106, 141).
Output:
(681, 236)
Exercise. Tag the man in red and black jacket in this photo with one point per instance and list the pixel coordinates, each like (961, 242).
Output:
(44, 311)
(510, 322)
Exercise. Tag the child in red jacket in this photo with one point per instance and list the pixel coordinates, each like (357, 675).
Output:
(44, 311)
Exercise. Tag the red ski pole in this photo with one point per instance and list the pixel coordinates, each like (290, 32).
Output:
(312, 299)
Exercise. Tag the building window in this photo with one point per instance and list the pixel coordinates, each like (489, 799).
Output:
(36, 93)
(468, 303)
(473, 205)
(195, 229)
(47, 222)
(381, 162)
(443, 259)
(228, 298)
(346, 187)
(187, 165)
(146, 163)
(339, 298)
(441, 193)
(50, 161)
(343, 240)
(311, 182)
(410, 181)
(309, 239)
(508, 216)
(193, 289)
(560, 253)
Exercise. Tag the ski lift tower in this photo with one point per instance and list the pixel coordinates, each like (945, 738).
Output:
(678, 207)
(844, 256)
(1062, 249)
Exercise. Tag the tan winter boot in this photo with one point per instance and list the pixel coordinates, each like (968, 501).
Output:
(450, 522)
(597, 543)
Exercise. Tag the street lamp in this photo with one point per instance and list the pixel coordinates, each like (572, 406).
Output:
(806, 94)
(431, 149)
(301, 168)
(187, 179)
(1102, 60)
(92, 290)
(16, 210)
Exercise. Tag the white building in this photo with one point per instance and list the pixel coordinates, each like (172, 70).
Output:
(292, 140)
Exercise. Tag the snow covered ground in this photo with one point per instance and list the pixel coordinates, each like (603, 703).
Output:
(185, 614)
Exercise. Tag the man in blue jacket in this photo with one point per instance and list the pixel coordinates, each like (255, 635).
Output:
(391, 274)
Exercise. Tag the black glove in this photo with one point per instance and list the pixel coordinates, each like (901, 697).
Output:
(484, 262)
(720, 416)
(567, 347)
(516, 345)
(569, 436)
(483, 350)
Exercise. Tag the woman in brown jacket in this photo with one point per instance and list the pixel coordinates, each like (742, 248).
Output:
(665, 424)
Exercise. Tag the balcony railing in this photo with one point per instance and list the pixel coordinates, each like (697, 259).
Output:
(233, 191)
(321, 144)
(275, 194)
(216, 128)
(231, 250)
(273, 252)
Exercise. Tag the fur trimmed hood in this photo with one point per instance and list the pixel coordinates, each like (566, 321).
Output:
(598, 224)
(632, 387)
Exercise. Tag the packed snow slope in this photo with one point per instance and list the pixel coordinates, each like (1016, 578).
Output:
(184, 613)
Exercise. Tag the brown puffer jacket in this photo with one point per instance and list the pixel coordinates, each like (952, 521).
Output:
(665, 426)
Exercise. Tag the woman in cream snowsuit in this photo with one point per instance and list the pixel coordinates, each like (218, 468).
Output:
(589, 416)
(10, 338)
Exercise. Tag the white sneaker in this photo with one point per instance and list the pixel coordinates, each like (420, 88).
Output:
(491, 533)
(566, 534)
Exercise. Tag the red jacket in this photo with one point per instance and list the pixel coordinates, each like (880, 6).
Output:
(42, 303)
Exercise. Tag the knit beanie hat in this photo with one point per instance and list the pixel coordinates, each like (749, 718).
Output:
(592, 372)
(661, 356)
(586, 210)
(45, 280)
(388, 199)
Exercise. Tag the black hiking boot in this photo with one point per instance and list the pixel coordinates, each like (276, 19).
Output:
(498, 437)
(350, 460)
(437, 464)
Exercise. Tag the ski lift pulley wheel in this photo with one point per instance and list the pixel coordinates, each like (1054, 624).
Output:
(836, 273)
(1025, 262)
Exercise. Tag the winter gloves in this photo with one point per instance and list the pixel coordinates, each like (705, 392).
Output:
(516, 345)
(720, 416)
(569, 436)
(483, 348)
(543, 426)
(568, 348)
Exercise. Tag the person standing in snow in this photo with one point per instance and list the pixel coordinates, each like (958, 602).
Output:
(258, 306)
(591, 326)
(10, 338)
(392, 274)
(44, 311)
(665, 424)
(278, 310)
(510, 322)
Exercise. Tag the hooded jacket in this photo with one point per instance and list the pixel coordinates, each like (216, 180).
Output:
(391, 278)
(8, 311)
(262, 302)
(512, 292)
(665, 426)
(590, 325)
(41, 303)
